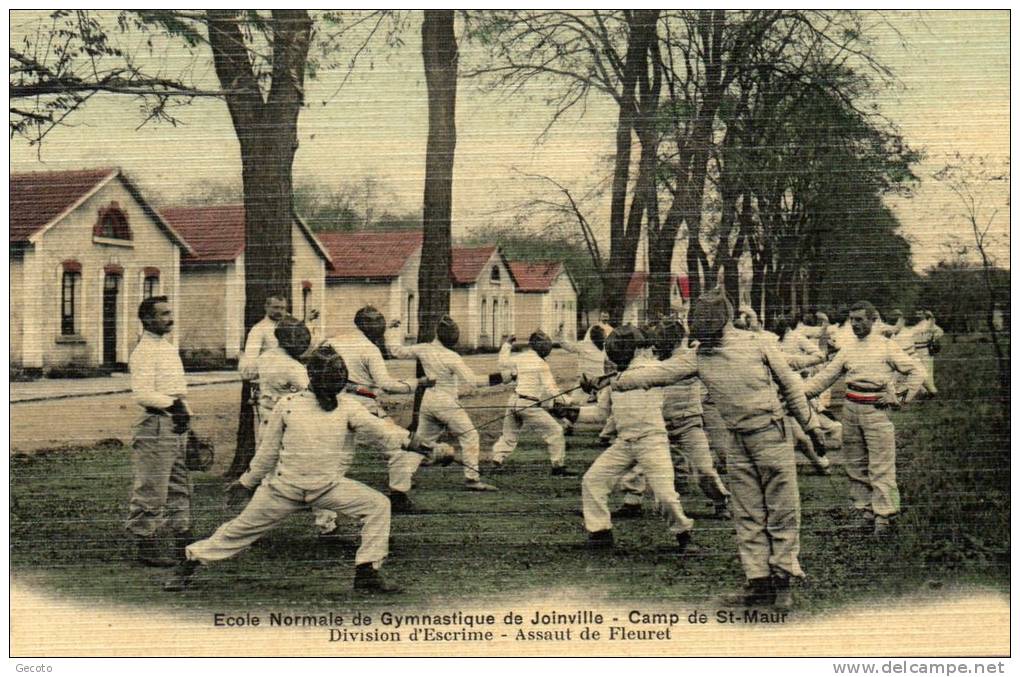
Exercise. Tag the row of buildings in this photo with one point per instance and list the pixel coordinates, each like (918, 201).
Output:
(86, 247)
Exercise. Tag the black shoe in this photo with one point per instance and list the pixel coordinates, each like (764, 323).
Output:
(628, 511)
(182, 539)
(563, 471)
(683, 543)
(400, 503)
(723, 512)
(368, 579)
(181, 576)
(150, 553)
(605, 442)
(757, 592)
(600, 540)
(783, 600)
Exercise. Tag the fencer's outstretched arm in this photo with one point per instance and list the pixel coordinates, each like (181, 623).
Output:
(826, 377)
(790, 385)
(386, 434)
(381, 375)
(396, 346)
(683, 364)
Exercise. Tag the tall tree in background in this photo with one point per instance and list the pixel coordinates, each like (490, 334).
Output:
(568, 55)
(439, 53)
(973, 181)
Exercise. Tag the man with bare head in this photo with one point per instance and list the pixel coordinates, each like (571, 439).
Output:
(870, 362)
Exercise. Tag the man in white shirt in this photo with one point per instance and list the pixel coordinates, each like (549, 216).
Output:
(302, 461)
(441, 410)
(641, 441)
(870, 363)
(260, 339)
(925, 334)
(161, 494)
(535, 394)
(369, 378)
(279, 371)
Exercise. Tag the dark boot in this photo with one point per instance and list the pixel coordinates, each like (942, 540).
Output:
(150, 552)
(628, 511)
(180, 578)
(722, 511)
(600, 540)
(182, 539)
(563, 471)
(368, 579)
(783, 592)
(400, 503)
(757, 592)
(683, 543)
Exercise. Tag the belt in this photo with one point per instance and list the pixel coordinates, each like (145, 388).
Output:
(361, 392)
(862, 399)
(528, 398)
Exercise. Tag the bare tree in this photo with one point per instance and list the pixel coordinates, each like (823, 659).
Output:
(580, 52)
(970, 178)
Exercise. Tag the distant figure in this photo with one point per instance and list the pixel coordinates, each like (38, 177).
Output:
(260, 339)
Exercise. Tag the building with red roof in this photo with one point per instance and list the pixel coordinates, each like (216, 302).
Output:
(372, 267)
(212, 298)
(546, 298)
(482, 299)
(85, 248)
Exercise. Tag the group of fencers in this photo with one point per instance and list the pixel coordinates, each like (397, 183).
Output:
(715, 391)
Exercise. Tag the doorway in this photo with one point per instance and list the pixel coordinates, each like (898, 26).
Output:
(111, 290)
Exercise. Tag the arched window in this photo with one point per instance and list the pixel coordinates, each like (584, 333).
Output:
(494, 276)
(112, 223)
(485, 308)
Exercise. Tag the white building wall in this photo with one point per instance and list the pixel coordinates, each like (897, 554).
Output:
(71, 239)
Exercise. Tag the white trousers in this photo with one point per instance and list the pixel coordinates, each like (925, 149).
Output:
(765, 501)
(401, 464)
(689, 442)
(519, 414)
(869, 458)
(652, 454)
(441, 412)
(275, 500)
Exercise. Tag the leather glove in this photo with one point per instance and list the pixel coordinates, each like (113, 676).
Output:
(565, 412)
(415, 445)
(237, 495)
(181, 417)
(495, 378)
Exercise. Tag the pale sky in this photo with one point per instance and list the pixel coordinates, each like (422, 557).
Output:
(954, 96)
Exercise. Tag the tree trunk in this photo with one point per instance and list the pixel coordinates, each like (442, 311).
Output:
(623, 235)
(266, 128)
(439, 53)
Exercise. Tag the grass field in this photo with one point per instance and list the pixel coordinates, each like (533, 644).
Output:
(67, 508)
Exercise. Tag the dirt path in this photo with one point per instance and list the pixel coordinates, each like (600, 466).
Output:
(85, 421)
